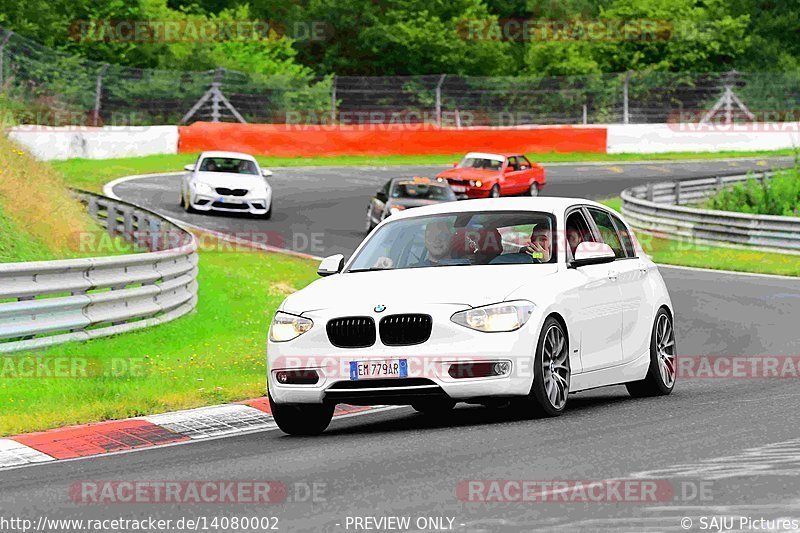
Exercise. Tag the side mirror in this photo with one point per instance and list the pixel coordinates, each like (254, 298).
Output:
(455, 165)
(592, 253)
(189, 168)
(266, 173)
(331, 265)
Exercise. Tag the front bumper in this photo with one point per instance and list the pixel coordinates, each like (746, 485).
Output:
(428, 363)
(241, 204)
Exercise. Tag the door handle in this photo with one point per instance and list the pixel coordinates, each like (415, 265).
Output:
(612, 275)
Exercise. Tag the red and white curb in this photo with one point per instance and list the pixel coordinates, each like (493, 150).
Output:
(120, 436)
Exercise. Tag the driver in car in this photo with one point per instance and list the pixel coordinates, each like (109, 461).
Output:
(438, 242)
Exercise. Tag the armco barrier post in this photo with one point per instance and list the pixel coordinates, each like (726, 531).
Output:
(650, 192)
(677, 193)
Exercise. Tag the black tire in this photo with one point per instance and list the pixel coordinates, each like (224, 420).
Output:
(301, 419)
(539, 403)
(533, 190)
(370, 226)
(186, 205)
(495, 192)
(661, 374)
(434, 407)
(268, 214)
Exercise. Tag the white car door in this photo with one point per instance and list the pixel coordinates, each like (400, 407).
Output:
(637, 312)
(599, 312)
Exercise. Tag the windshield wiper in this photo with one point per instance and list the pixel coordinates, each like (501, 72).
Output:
(371, 269)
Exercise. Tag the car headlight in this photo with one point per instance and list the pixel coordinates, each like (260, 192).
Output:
(203, 188)
(286, 327)
(504, 316)
(396, 209)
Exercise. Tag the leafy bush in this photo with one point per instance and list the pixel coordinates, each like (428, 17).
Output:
(778, 196)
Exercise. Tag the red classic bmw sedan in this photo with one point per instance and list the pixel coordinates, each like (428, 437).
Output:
(483, 175)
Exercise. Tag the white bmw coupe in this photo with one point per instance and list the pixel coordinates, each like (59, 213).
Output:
(229, 182)
(514, 301)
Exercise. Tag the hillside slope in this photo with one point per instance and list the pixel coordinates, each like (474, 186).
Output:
(39, 219)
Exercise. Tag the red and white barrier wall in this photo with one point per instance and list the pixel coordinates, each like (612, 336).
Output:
(402, 139)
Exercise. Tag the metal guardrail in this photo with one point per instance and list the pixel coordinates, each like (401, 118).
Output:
(44, 303)
(660, 208)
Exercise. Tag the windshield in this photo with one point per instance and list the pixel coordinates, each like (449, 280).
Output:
(422, 191)
(481, 162)
(460, 239)
(228, 164)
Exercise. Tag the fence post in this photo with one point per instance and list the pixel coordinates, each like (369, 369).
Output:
(650, 192)
(215, 94)
(719, 183)
(6, 37)
(439, 101)
(98, 91)
(626, 116)
(585, 114)
(677, 193)
(333, 101)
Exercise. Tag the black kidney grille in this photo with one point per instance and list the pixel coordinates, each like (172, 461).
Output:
(231, 192)
(351, 331)
(405, 330)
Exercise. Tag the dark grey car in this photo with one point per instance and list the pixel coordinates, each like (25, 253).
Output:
(399, 194)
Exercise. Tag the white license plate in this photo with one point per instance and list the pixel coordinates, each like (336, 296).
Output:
(230, 200)
(394, 368)
(458, 188)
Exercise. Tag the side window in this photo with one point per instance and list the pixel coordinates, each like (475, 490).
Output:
(577, 231)
(383, 193)
(625, 236)
(512, 163)
(608, 231)
(524, 162)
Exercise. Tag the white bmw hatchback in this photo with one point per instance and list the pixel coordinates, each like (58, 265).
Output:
(226, 181)
(517, 301)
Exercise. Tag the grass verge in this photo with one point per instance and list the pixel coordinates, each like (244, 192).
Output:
(687, 253)
(214, 355)
(93, 174)
(44, 222)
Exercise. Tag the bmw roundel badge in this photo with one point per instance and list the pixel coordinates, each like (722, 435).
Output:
(380, 308)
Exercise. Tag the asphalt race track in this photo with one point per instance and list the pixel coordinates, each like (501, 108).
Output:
(399, 463)
(322, 210)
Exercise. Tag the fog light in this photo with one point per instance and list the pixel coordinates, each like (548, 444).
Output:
(502, 368)
(297, 377)
(479, 370)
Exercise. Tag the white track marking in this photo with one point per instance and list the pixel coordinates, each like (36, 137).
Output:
(14, 454)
